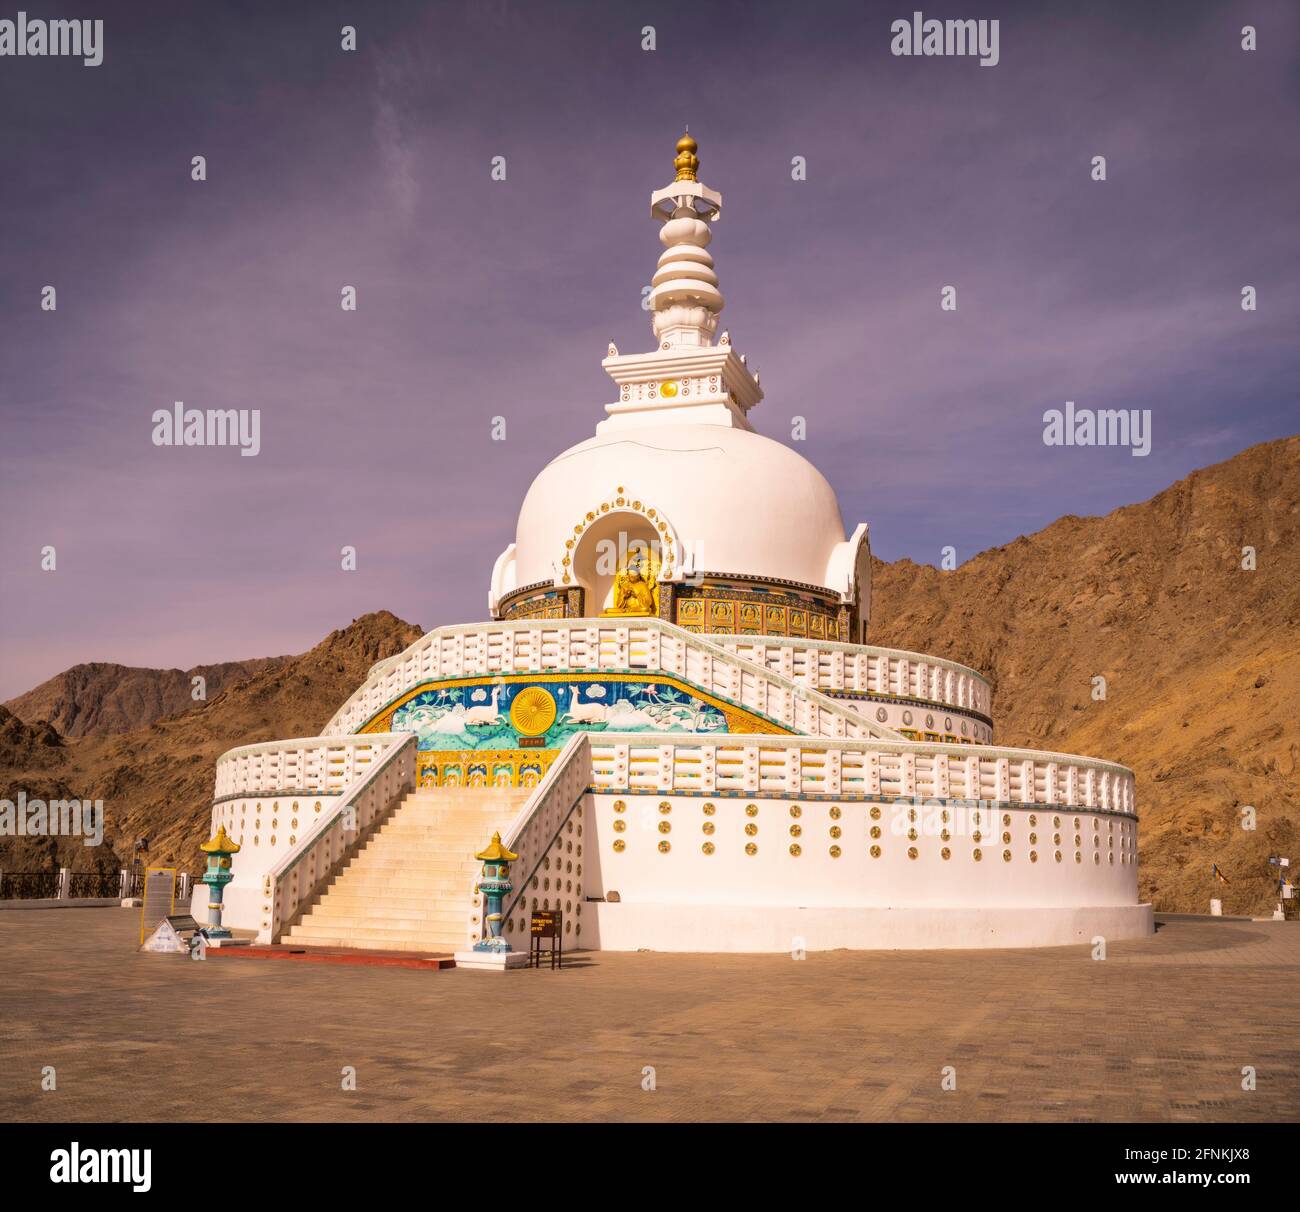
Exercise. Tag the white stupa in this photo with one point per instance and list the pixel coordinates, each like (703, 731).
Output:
(728, 503)
(674, 719)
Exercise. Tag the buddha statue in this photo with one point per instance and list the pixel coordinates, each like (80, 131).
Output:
(635, 589)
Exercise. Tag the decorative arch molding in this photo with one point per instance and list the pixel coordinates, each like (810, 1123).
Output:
(673, 564)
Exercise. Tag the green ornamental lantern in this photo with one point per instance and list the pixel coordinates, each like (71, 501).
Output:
(494, 883)
(216, 877)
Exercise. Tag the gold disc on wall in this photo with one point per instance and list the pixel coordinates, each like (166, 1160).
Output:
(533, 711)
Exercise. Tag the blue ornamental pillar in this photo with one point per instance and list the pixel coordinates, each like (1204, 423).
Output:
(216, 877)
(494, 884)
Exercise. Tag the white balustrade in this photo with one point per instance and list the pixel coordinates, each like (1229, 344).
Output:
(601, 645)
(309, 764)
(862, 669)
(807, 766)
(291, 883)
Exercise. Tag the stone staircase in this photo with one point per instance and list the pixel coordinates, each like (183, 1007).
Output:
(408, 888)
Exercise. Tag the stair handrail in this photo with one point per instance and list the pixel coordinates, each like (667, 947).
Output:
(282, 898)
(553, 783)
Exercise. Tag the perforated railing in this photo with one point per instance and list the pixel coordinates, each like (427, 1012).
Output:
(324, 764)
(602, 645)
(807, 767)
(861, 669)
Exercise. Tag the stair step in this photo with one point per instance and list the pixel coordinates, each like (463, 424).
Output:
(433, 864)
(411, 888)
(361, 937)
(416, 869)
(481, 820)
(421, 851)
(393, 921)
(449, 829)
(360, 902)
(430, 858)
(406, 889)
(434, 828)
(433, 840)
(460, 943)
(411, 884)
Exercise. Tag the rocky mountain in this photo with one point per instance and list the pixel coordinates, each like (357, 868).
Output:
(100, 699)
(156, 781)
(1200, 658)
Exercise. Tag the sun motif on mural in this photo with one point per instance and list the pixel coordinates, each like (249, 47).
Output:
(533, 711)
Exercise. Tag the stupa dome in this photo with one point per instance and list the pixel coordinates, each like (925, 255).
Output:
(736, 502)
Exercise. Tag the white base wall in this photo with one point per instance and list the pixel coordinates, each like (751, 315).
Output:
(756, 928)
(241, 905)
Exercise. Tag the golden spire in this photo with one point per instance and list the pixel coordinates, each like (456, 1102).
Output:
(687, 163)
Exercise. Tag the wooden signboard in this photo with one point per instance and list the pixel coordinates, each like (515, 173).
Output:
(549, 924)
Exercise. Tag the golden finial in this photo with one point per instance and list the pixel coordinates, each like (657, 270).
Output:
(496, 852)
(221, 843)
(687, 163)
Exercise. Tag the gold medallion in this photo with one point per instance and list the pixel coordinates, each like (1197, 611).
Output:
(533, 711)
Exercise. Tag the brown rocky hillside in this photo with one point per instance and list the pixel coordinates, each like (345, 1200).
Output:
(156, 781)
(1201, 661)
(100, 699)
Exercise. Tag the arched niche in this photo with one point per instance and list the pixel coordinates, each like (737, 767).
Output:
(605, 548)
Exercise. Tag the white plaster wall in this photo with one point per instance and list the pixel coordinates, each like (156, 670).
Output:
(731, 928)
(643, 874)
(266, 828)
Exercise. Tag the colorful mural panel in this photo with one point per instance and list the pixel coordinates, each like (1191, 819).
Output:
(500, 767)
(515, 715)
(506, 731)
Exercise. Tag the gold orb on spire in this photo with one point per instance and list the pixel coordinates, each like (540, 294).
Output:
(687, 162)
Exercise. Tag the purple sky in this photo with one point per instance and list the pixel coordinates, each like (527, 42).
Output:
(480, 298)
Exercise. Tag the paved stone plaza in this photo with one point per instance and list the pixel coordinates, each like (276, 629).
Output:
(1158, 1031)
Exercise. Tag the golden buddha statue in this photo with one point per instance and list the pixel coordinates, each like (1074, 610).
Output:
(636, 591)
